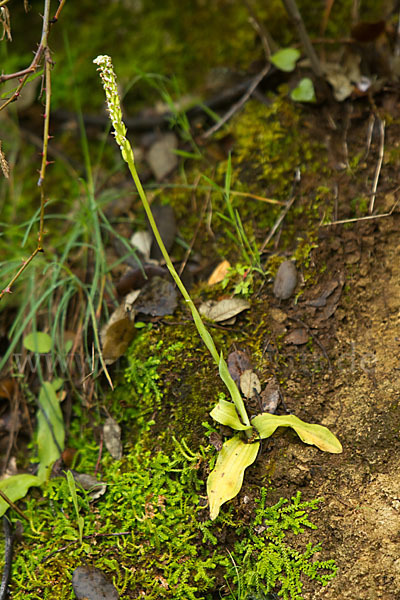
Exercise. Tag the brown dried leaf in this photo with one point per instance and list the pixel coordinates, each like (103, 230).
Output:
(270, 397)
(157, 298)
(93, 486)
(249, 383)
(238, 361)
(117, 334)
(224, 309)
(219, 272)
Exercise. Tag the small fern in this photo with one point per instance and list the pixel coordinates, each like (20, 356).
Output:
(267, 562)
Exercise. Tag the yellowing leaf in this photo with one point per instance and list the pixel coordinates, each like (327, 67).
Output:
(225, 413)
(225, 481)
(316, 435)
(16, 487)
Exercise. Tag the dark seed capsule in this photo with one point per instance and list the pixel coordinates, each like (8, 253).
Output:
(285, 280)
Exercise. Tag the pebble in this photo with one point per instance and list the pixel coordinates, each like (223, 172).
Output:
(285, 280)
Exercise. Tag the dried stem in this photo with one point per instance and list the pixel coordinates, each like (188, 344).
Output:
(293, 12)
(24, 74)
(43, 50)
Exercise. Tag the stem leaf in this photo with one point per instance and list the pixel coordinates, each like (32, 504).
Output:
(316, 435)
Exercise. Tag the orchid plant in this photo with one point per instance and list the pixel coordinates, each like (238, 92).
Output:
(241, 450)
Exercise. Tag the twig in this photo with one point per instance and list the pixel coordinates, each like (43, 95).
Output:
(368, 218)
(379, 165)
(283, 213)
(42, 50)
(268, 43)
(13, 506)
(8, 551)
(238, 105)
(24, 74)
(371, 123)
(293, 12)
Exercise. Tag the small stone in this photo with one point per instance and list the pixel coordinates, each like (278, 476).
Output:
(285, 280)
(278, 315)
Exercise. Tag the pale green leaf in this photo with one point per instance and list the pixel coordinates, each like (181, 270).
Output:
(285, 59)
(304, 92)
(37, 341)
(50, 432)
(15, 488)
(225, 413)
(233, 390)
(316, 435)
(225, 481)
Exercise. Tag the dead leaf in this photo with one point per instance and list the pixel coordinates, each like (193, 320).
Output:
(224, 309)
(117, 334)
(216, 440)
(249, 383)
(238, 361)
(142, 241)
(112, 438)
(157, 298)
(95, 488)
(135, 278)
(270, 397)
(219, 273)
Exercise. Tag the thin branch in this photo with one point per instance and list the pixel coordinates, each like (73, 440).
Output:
(368, 218)
(283, 214)
(293, 12)
(42, 50)
(378, 166)
(24, 74)
(13, 506)
(238, 105)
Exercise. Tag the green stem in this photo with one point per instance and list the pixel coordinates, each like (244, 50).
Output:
(204, 334)
(110, 86)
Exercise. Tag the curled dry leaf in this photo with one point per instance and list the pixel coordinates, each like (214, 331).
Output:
(142, 241)
(112, 438)
(216, 440)
(238, 361)
(224, 309)
(117, 334)
(95, 488)
(249, 383)
(270, 397)
(219, 272)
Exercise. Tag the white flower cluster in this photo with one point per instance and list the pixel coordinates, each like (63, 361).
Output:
(113, 102)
